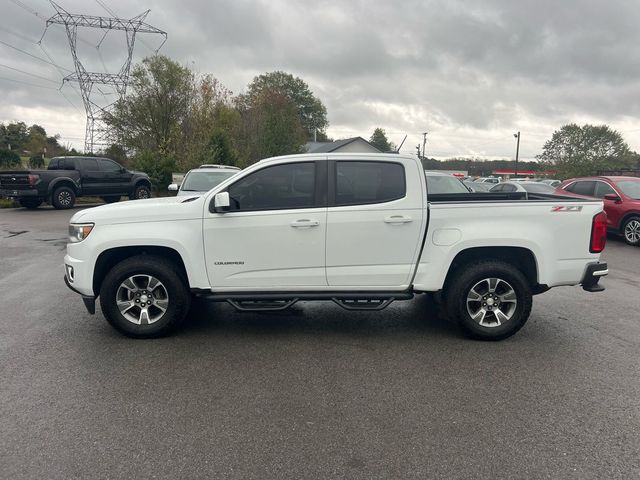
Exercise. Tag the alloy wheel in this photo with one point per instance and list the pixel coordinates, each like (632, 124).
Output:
(142, 299)
(491, 302)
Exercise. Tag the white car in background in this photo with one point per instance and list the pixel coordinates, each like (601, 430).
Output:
(487, 180)
(523, 186)
(201, 180)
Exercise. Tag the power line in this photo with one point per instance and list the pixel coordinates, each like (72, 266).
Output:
(33, 56)
(21, 82)
(27, 73)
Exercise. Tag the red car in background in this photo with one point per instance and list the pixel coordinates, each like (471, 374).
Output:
(621, 197)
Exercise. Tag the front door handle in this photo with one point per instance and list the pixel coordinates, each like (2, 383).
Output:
(305, 223)
(397, 219)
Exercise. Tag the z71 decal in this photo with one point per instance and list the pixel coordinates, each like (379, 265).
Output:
(566, 208)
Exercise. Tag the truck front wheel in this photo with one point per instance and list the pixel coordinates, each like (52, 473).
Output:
(144, 297)
(490, 299)
(140, 192)
(63, 197)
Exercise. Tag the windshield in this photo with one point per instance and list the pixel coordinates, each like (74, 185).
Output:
(444, 184)
(203, 181)
(538, 188)
(631, 188)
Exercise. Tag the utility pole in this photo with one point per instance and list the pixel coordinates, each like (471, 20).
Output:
(424, 142)
(517, 135)
(96, 134)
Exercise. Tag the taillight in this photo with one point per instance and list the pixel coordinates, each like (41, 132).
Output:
(598, 233)
(33, 179)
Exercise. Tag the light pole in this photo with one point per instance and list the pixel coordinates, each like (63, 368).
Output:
(517, 135)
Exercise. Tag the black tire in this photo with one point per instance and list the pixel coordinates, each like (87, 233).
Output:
(30, 203)
(476, 276)
(140, 192)
(631, 231)
(113, 199)
(63, 198)
(177, 299)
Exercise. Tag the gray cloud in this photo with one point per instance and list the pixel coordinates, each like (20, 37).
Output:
(469, 73)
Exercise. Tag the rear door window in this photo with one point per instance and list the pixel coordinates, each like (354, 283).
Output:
(359, 183)
(582, 188)
(90, 164)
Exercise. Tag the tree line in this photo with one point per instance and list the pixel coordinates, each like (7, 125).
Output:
(16, 139)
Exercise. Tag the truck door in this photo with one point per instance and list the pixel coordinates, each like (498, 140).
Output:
(115, 180)
(274, 234)
(91, 177)
(374, 222)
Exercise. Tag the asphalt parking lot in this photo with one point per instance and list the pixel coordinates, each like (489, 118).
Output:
(315, 392)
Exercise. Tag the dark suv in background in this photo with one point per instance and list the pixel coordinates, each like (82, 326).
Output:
(621, 197)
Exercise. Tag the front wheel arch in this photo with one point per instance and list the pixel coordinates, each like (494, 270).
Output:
(109, 258)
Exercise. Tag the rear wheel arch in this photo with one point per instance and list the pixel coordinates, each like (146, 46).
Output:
(111, 257)
(520, 257)
(53, 186)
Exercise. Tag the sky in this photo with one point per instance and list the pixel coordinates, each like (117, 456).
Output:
(471, 74)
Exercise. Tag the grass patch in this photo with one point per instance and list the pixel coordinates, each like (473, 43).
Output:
(6, 203)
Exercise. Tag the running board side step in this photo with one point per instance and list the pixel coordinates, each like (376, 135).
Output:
(261, 305)
(363, 304)
(278, 301)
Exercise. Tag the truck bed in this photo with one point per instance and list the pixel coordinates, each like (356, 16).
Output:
(498, 197)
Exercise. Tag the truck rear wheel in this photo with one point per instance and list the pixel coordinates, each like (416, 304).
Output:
(144, 297)
(490, 299)
(30, 203)
(63, 198)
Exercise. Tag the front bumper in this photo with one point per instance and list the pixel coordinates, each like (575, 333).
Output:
(593, 274)
(89, 301)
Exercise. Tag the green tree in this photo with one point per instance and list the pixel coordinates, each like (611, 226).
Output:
(16, 135)
(379, 140)
(311, 111)
(36, 140)
(158, 167)
(220, 149)
(36, 161)
(575, 151)
(9, 159)
(271, 127)
(151, 117)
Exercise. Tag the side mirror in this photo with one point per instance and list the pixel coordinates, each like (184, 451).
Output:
(173, 187)
(123, 170)
(612, 197)
(221, 202)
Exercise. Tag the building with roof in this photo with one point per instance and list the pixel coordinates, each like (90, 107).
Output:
(347, 145)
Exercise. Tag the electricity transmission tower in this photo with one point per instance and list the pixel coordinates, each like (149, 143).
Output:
(96, 134)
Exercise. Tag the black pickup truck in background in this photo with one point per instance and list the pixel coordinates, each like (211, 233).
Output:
(67, 178)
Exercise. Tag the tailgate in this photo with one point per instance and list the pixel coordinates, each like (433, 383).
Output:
(15, 181)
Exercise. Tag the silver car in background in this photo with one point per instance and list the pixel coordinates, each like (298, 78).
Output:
(200, 180)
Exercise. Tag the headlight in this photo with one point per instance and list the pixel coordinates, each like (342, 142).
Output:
(79, 231)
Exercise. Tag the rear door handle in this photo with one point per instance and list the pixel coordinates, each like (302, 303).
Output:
(396, 219)
(305, 223)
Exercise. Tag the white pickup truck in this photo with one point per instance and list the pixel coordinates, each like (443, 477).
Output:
(359, 230)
